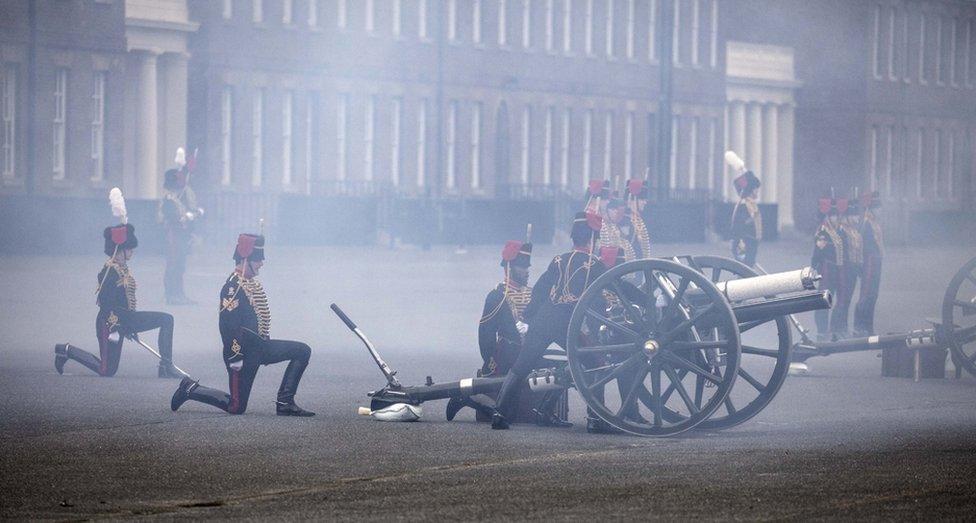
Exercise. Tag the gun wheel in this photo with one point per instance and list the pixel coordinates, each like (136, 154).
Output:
(653, 347)
(959, 317)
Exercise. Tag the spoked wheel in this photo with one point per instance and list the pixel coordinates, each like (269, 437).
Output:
(642, 327)
(766, 349)
(959, 317)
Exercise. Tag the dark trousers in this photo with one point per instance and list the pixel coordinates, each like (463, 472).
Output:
(548, 326)
(830, 280)
(748, 255)
(177, 248)
(131, 322)
(241, 380)
(870, 285)
(841, 313)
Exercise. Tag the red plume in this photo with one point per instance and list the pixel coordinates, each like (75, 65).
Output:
(842, 204)
(245, 245)
(596, 187)
(511, 250)
(635, 186)
(608, 255)
(595, 221)
(120, 234)
(824, 205)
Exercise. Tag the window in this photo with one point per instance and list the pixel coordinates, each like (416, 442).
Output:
(891, 45)
(98, 125)
(396, 114)
(567, 26)
(629, 146)
(8, 112)
(630, 29)
(526, 143)
(950, 162)
(60, 116)
(609, 32)
(452, 20)
(313, 13)
(547, 149)
(693, 154)
(652, 30)
(921, 50)
(226, 125)
(421, 142)
(564, 149)
(939, 78)
(695, 31)
(286, 6)
(676, 37)
(712, 126)
(451, 145)
(370, 22)
(873, 157)
(342, 14)
(257, 139)
(228, 9)
(968, 53)
(502, 23)
(675, 140)
(919, 151)
(588, 35)
(397, 28)
(906, 71)
(876, 44)
(713, 41)
(526, 23)
(476, 22)
(587, 145)
(550, 14)
(953, 34)
(287, 106)
(889, 146)
(257, 11)
(608, 146)
(369, 138)
(938, 165)
(311, 126)
(422, 19)
(476, 146)
(342, 130)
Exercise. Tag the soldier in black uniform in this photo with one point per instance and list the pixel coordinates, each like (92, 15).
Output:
(873, 249)
(117, 315)
(746, 229)
(638, 235)
(849, 228)
(548, 314)
(245, 326)
(178, 212)
(828, 259)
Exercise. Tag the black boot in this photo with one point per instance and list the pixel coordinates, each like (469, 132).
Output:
(60, 357)
(507, 396)
(83, 357)
(182, 393)
(291, 409)
(454, 405)
(192, 390)
(544, 415)
(596, 425)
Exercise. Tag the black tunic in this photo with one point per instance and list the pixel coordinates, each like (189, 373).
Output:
(245, 318)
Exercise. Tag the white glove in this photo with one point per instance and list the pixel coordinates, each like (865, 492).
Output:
(114, 337)
(521, 327)
(236, 365)
(189, 216)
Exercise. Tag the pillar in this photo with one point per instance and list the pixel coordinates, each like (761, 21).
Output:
(753, 156)
(147, 126)
(770, 138)
(737, 142)
(173, 125)
(784, 184)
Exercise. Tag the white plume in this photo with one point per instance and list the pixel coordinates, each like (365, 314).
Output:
(180, 157)
(733, 161)
(117, 201)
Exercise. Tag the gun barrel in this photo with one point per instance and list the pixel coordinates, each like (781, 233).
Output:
(769, 284)
(770, 309)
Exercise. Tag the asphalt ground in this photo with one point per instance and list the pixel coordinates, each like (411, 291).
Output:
(842, 443)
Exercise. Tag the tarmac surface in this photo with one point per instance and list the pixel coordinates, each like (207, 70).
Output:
(840, 443)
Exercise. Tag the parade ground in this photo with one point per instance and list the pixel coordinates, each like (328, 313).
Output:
(840, 443)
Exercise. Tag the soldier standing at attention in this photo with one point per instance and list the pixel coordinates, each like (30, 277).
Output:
(178, 212)
(117, 315)
(639, 238)
(747, 222)
(827, 260)
(849, 227)
(873, 248)
(245, 327)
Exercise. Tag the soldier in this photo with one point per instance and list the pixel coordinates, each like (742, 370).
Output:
(849, 228)
(828, 259)
(746, 229)
(615, 229)
(245, 326)
(639, 238)
(873, 249)
(549, 311)
(117, 315)
(178, 211)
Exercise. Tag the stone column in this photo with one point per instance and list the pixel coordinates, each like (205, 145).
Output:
(737, 143)
(173, 109)
(753, 156)
(147, 126)
(768, 171)
(784, 184)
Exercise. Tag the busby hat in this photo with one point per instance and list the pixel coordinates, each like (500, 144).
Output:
(598, 189)
(841, 205)
(250, 247)
(870, 200)
(174, 179)
(826, 206)
(746, 183)
(586, 227)
(119, 237)
(636, 189)
(516, 254)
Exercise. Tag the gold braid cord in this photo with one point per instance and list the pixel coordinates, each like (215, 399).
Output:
(836, 240)
(126, 280)
(610, 236)
(259, 302)
(640, 234)
(855, 243)
(756, 216)
(872, 222)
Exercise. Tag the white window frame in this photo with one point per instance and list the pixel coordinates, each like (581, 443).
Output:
(587, 146)
(921, 50)
(313, 13)
(919, 152)
(59, 123)
(953, 34)
(906, 49)
(99, 81)
(257, 11)
(396, 117)
(939, 164)
(674, 150)
(588, 32)
(369, 24)
(422, 20)
(876, 43)
(8, 114)
(527, 24)
(342, 134)
(892, 74)
(226, 138)
(609, 44)
(421, 142)
(227, 11)
(310, 120)
(695, 32)
(550, 23)
(502, 23)
(476, 110)
(676, 34)
(369, 138)
(950, 163)
(889, 158)
(652, 31)
(476, 22)
(547, 148)
(257, 138)
(452, 20)
(712, 131)
(631, 11)
(608, 146)
(938, 51)
(693, 154)
(286, 11)
(564, 148)
(713, 36)
(567, 27)
(873, 157)
(629, 146)
(525, 144)
(287, 117)
(452, 111)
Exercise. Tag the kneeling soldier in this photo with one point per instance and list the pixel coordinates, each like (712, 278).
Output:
(245, 324)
